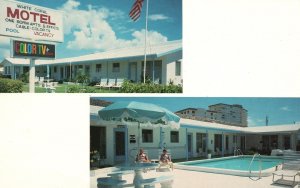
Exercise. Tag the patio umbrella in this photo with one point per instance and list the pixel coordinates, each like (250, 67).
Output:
(139, 114)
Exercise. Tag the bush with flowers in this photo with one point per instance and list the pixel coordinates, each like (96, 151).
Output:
(94, 158)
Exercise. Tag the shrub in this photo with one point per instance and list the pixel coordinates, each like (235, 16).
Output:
(128, 87)
(10, 86)
(79, 89)
(25, 77)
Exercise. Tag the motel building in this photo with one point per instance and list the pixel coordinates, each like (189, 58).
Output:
(193, 139)
(163, 65)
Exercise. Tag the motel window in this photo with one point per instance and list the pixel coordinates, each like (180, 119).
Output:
(147, 136)
(174, 135)
(55, 69)
(98, 67)
(178, 68)
(7, 70)
(116, 67)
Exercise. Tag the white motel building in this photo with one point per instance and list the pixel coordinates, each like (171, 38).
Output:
(163, 64)
(193, 139)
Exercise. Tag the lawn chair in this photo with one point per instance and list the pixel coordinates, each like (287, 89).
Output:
(102, 83)
(119, 83)
(111, 82)
(290, 168)
(164, 165)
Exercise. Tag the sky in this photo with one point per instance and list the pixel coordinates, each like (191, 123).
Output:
(280, 111)
(98, 25)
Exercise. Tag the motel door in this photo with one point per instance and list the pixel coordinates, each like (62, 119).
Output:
(61, 73)
(133, 71)
(243, 143)
(190, 144)
(287, 142)
(119, 142)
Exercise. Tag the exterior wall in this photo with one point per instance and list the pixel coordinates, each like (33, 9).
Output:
(179, 150)
(169, 68)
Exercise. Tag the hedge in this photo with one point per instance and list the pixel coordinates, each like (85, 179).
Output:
(10, 86)
(79, 89)
(128, 87)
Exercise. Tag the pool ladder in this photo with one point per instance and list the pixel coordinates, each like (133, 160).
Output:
(238, 152)
(260, 166)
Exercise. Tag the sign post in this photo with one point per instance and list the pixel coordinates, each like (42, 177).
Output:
(31, 22)
(32, 50)
(32, 76)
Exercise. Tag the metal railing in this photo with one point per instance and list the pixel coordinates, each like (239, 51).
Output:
(238, 152)
(260, 166)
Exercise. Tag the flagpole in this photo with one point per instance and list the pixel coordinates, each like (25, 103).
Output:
(146, 28)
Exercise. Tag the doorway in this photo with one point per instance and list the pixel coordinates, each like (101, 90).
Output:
(132, 71)
(120, 145)
(287, 142)
(190, 144)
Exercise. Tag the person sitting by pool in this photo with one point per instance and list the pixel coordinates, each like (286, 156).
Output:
(165, 159)
(141, 157)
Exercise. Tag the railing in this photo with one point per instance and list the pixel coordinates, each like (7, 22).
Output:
(260, 166)
(238, 152)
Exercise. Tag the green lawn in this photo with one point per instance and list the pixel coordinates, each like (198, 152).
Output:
(63, 88)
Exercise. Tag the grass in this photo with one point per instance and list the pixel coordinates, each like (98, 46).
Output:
(62, 88)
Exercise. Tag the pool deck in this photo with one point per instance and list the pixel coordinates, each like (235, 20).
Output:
(191, 179)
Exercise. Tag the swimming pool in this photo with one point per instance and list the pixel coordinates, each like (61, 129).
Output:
(237, 165)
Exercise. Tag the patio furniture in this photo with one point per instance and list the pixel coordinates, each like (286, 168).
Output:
(165, 181)
(164, 165)
(102, 83)
(111, 83)
(138, 168)
(118, 174)
(290, 168)
(108, 182)
(119, 83)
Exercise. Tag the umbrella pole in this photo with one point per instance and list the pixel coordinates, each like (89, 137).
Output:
(139, 136)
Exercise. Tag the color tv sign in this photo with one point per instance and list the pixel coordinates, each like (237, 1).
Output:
(32, 50)
(18, 19)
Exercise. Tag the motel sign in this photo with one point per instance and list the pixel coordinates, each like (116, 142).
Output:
(18, 19)
(31, 49)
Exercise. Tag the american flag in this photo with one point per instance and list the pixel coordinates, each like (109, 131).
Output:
(136, 10)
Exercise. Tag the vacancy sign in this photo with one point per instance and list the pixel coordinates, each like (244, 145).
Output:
(18, 19)
(33, 50)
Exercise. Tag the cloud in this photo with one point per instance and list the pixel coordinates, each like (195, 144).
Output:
(156, 17)
(91, 30)
(251, 121)
(285, 108)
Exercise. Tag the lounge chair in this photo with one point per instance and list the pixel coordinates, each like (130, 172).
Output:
(161, 164)
(119, 83)
(102, 83)
(290, 168)
(111, 82)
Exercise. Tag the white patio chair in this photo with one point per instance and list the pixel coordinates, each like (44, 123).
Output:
(290, 168)
(161, 164)
(119, 83)
(102, 83)
(111, 82)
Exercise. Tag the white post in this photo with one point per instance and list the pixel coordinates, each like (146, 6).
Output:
(146, 43)
(32, 76)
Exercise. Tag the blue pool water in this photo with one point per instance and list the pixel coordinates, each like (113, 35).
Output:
(240, 163)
